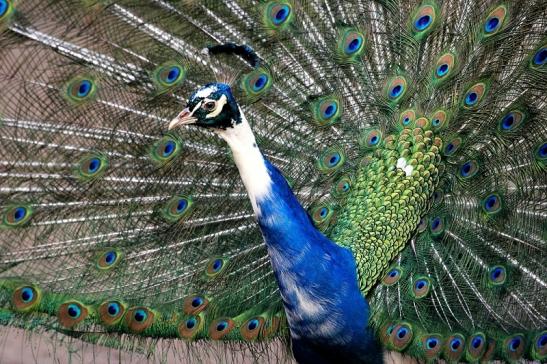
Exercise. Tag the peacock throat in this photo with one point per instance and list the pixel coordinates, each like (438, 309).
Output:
(392, 191)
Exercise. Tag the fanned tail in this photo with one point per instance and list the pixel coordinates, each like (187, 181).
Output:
(113, 226)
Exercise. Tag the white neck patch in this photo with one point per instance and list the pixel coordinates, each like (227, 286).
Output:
(249, 161)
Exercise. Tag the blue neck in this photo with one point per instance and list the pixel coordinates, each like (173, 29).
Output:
(327, 314)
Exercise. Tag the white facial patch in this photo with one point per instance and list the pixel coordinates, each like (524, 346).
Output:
(195, 108)
(205, 92)
(219, 105)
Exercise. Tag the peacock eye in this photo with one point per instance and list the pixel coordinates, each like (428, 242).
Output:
(208, 106)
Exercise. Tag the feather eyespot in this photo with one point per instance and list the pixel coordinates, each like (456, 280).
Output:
(492, 204)
(407, 118)
(401, 336)
(421, 287)
(256, 83)
(139, 319)
(165, 149)
(424, 20)
(444, 68)
(6, 8)
(371, 138)
(215, 266)
(392, 277)
(250, 330)
(396, 88)
(190, 327)
(108, 259)
(454, 347)
(83, 89)
(511, 121)
(540, 152)
(455, 344)
(385, 333)
(111, 312)
(326, 110)
(191, 323)
(436, 225)
(17, 215)
(168, 76)
(177, 207)
(71, 313)
(329, 109)
(113, 309)
(220, 328)
(476, 345)
(422, 123)
(172, 74)
(195, 304)
(321, 215)
(439, 120)
(432, 345)
(494, 21)
(91, 167)
(497, 275)
(277, 15)
(452, 146)
(80, 89)
(260, 82)
(474, 95)
(331, 160)
(27, 294)
(539, 349)
(514, 346)
(351, 43)
(468, 169)
(26, 298)
(540, 57)
(342, 186)
(471, 98)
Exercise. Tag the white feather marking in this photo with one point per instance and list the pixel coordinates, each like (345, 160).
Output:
(408, 170)
(205, 92)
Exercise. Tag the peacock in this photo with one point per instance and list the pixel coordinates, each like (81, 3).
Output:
(340, 177)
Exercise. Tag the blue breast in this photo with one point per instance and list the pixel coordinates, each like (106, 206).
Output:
(327, 314)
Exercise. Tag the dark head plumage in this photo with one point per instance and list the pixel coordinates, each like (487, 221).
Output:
(211, 106)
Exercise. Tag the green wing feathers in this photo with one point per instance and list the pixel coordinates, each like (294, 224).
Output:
(414, 132)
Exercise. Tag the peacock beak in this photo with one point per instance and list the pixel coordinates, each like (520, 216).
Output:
(184, 118)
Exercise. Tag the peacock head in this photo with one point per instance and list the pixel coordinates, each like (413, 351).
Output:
(211, 106)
